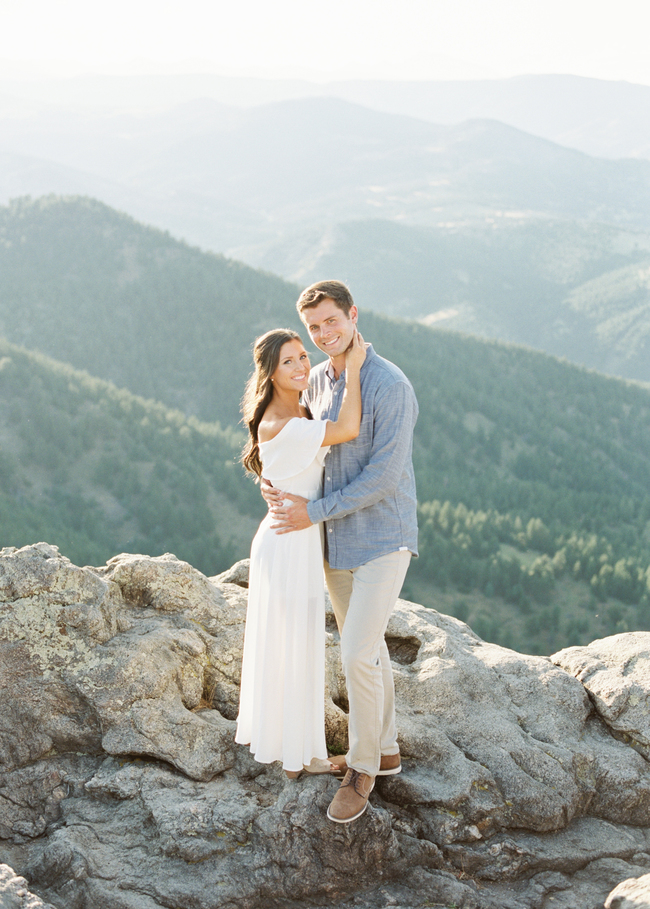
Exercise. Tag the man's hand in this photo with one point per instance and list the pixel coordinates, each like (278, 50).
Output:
(292, 516)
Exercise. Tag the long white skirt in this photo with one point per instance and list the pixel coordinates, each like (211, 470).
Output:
(281, 710)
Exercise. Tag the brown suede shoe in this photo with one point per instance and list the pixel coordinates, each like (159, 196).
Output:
(351, 800)
(389, 765)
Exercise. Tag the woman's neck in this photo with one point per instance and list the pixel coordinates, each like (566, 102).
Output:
(285, 404)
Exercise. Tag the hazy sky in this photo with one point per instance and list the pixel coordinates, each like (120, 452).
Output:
(394, 39)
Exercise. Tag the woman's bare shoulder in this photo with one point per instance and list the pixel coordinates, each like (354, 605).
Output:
(269, 428)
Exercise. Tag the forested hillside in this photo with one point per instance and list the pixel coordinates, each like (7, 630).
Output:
(533, 475)
(97, 471)
(574, 289)
(547, 458)
(93, 288)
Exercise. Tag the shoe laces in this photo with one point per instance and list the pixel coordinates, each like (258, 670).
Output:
(353, 778)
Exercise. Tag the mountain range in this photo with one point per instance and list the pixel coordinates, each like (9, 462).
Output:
(531, 473)
(258, 172)
(602, 118)
(475, 226)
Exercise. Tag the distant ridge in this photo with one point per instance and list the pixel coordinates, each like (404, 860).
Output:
(480, 222)
(200, 170)
(604, 118)
(609, 119)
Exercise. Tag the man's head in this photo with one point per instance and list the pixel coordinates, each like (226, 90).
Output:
(334, 290)
(328, 311)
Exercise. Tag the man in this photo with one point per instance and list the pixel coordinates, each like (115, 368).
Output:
(369, 509)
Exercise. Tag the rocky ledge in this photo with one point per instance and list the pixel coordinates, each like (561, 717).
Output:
(525, 783)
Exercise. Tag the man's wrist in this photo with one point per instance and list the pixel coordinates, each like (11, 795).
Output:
(313, 511)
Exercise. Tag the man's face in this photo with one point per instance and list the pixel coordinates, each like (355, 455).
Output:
(329, 327)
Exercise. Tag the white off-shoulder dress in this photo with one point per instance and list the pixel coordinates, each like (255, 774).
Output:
(281, 707)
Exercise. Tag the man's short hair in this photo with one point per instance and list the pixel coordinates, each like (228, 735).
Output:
(323, 290)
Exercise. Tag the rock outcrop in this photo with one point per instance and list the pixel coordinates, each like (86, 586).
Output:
(526, 782)
(632, 894)
(15, 894)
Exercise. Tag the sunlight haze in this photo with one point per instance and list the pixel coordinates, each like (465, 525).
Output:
(416, 39)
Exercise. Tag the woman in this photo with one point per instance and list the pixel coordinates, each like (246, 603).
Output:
(281, 708)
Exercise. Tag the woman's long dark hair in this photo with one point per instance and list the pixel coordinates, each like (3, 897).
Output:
(259, 391)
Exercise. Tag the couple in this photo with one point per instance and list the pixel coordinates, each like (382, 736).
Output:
(355, 415)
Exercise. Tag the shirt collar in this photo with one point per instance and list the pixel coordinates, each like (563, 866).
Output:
(329, 369)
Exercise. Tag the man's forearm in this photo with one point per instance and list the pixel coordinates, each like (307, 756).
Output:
(380, 477)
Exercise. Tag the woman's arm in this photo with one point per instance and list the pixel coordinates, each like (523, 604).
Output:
(347, 425)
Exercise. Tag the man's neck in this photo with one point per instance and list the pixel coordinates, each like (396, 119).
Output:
(338, 365)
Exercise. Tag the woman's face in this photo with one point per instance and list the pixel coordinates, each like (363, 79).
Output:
(292, 371)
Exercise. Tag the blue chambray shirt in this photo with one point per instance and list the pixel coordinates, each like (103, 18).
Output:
(369, 502)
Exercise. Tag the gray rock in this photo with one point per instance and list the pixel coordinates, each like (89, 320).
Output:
(502, 740)
(30, 797)
(165, 584)
(86, 667)
(616, 673)
(525, 783)
(236, 574)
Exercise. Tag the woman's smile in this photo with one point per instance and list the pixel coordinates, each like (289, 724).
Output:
(292, 371)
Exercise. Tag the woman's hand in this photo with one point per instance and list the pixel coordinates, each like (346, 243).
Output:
(356, 352)
(272, 496)
(347, 425)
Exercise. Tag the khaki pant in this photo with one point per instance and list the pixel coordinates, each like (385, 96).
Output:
(363, 599)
